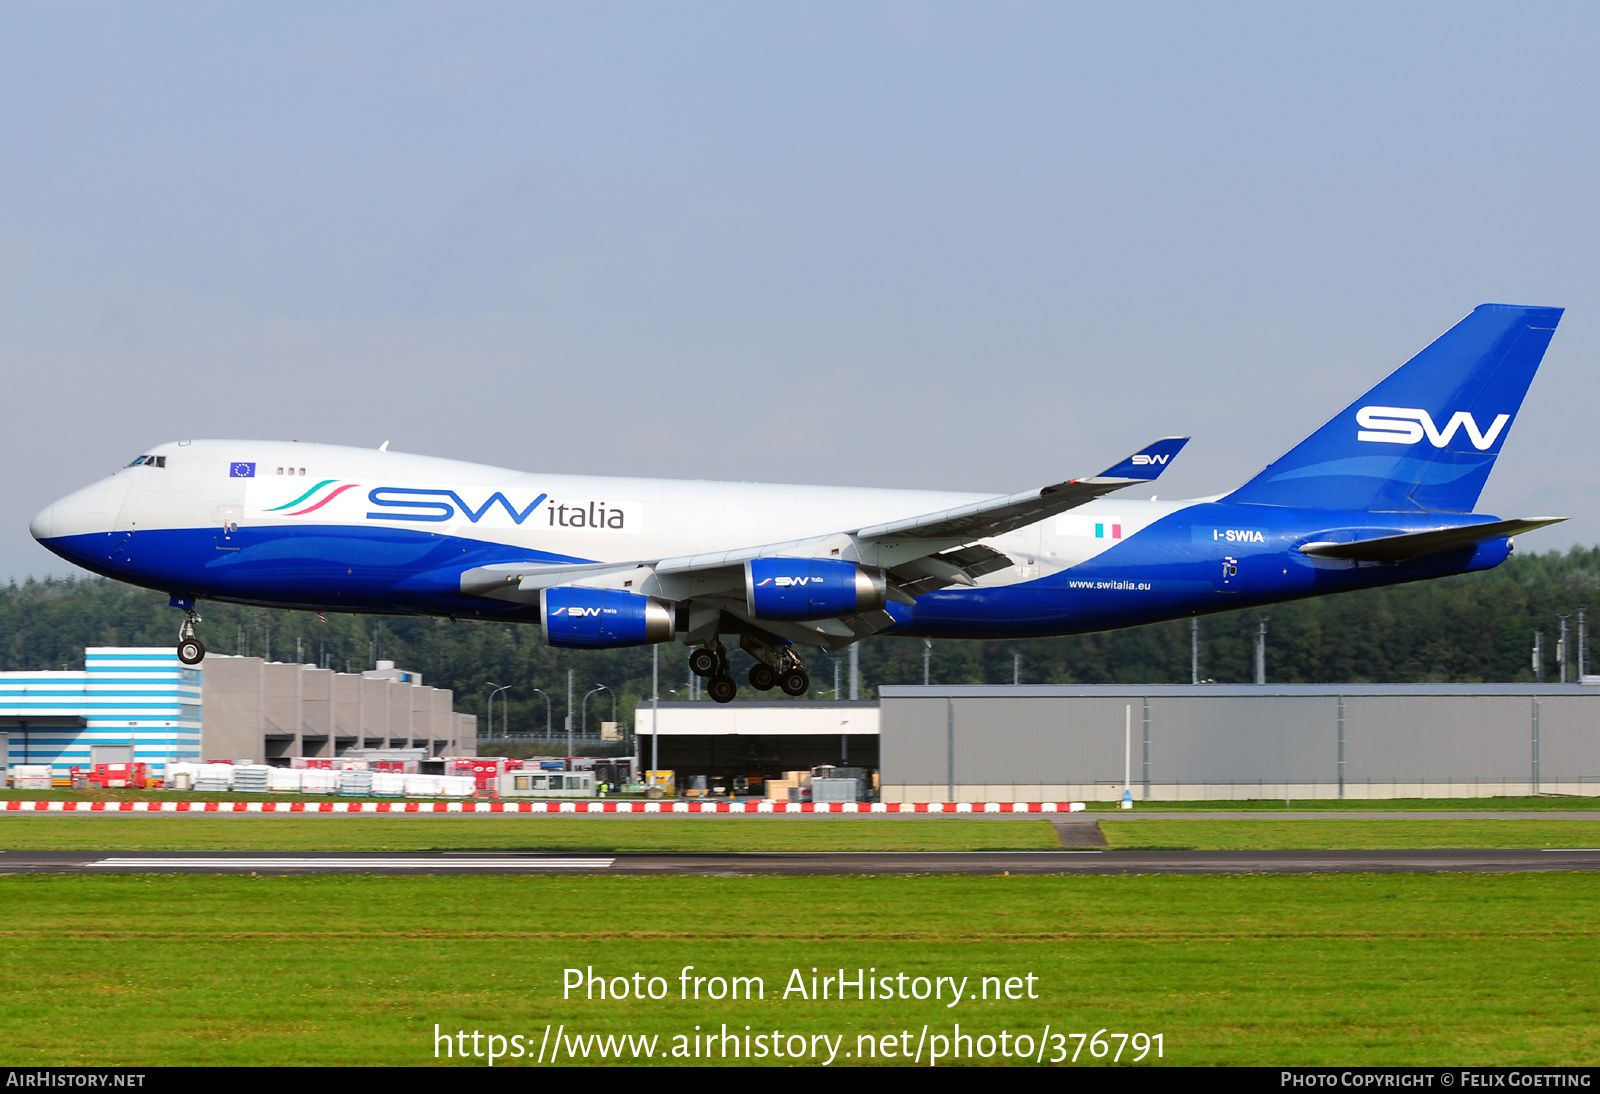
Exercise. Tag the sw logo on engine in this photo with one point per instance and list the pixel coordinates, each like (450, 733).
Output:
(1408, 425)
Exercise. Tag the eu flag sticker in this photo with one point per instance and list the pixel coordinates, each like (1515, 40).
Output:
(241, 471)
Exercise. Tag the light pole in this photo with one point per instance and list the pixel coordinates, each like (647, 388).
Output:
(1194, 649)
(507, 710)
(1561, 648)
(547, 730)
(1583, 642)
(1261, 651)
(585, 706)
(927, 656)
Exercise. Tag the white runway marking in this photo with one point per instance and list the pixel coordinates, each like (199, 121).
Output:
(352, 863)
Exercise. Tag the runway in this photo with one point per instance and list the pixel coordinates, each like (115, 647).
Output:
(1085, 861)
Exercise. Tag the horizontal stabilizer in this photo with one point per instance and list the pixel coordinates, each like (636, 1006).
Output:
(1417, 544)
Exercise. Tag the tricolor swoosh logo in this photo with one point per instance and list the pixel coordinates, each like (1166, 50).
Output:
(329, 496)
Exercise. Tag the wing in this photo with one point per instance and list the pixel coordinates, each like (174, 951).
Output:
(931, 533)
(985, 519)
(918, 555)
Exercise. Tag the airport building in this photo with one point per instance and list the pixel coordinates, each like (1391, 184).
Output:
(143, 705)
(272, 711)
(127, 704)
(1238, 741)
(1163, 743)
(708, 738)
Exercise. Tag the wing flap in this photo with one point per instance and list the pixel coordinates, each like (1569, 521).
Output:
(962, 566)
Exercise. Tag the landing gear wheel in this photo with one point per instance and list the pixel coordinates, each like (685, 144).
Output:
(703, 662)
(722, 688)
(190, 649)
(796, 683)
(762, 677)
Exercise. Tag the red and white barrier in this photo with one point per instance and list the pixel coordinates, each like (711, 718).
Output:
(734, 808)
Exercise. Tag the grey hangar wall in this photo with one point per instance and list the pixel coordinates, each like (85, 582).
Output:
(1043, 743)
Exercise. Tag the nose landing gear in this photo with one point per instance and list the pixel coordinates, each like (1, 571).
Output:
(191, 651)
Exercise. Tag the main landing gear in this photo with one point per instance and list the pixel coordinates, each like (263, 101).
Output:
(191, 651)
(711, 661)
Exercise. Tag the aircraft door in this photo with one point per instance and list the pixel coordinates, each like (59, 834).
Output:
(227, 527)
(1225, 575)
(229, 511)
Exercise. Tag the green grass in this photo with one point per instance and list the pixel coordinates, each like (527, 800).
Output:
(1304, 835)
(1274, 970)
(174, 832)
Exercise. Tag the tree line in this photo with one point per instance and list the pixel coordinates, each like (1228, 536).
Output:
(1471, 628)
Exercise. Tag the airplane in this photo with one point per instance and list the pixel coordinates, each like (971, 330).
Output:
(1381, 494)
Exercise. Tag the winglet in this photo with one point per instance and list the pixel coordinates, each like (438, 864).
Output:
(1145, 464)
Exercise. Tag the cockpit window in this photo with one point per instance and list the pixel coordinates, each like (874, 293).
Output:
(149, 461)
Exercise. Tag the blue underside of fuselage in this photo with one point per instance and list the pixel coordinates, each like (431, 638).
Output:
(1173, 568)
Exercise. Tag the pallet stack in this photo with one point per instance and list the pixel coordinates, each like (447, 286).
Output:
(251, 778)
(355, 783)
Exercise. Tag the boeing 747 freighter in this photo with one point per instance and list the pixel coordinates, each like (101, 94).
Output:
(1382, 494)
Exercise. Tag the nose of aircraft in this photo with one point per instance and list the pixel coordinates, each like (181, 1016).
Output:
(92, 510)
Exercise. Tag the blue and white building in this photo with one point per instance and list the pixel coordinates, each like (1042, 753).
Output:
(138, 704)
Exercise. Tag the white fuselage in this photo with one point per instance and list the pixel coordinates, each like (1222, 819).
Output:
(581, 517)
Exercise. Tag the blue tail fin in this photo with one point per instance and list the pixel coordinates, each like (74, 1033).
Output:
(1425, 438)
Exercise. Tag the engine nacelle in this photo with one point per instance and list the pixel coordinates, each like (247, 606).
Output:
(574, 617)
(810, 588)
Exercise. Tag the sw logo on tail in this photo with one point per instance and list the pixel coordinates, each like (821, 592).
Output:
(1408, 425)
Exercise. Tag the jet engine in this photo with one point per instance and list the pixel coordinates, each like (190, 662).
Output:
(811, 588)
(577, 618)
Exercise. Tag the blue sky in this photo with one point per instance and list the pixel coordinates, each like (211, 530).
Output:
(981, 247)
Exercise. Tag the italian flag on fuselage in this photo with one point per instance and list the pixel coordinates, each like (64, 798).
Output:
(1094, 527)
